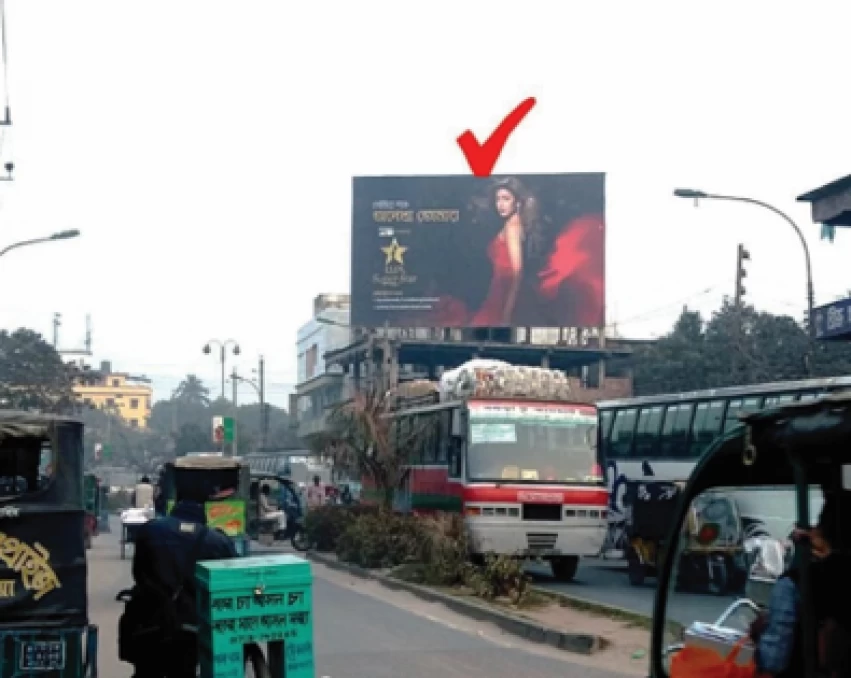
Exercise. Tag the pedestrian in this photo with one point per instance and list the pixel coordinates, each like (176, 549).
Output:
(316, 493)
(157, 630)
(143, 495)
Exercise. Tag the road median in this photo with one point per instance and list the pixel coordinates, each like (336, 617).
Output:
(510, 621)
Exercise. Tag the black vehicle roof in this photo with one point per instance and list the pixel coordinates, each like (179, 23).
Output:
(35, 418)
(817, 433)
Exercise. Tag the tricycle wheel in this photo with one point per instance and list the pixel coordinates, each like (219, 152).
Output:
(299, 540)
(635, 568)
(255, 659)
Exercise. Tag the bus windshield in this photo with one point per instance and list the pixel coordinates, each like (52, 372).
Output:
(532, 443)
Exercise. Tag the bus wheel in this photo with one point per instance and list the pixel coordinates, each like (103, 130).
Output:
(564, 569)
(636, 569)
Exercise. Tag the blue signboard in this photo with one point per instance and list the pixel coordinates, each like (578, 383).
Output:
(833, 321)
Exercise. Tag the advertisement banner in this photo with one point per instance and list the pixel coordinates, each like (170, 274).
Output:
(462, 251)
(226, 515)
(42, 567)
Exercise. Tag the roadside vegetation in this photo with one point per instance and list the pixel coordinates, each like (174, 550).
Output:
(425, 550)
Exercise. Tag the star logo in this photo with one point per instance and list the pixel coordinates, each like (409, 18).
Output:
(394, 252)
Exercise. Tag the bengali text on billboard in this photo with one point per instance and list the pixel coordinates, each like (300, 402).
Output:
(461, 251)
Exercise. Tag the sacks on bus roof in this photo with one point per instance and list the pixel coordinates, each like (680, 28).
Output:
(497, 378)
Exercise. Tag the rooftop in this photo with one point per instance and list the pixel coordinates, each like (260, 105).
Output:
(831, 203)
(433, 351)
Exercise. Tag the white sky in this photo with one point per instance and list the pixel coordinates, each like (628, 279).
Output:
(205, 149)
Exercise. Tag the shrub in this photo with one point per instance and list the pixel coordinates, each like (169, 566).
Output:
(324, 525)
(442, 549)
(380, 539)
(436, 546)
(501, 577)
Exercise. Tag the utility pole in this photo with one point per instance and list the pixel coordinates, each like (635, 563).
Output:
(57, 321)
(742, 255)
(264, 418)
(234, 377)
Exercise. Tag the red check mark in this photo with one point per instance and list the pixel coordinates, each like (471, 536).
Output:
(483, 157)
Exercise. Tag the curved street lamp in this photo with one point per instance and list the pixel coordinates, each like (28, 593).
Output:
(701, 195)
(223, 345)
(61, 235)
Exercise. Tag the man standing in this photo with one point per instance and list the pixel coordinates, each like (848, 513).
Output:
(316, 493)
(152, 632)
(143, 496)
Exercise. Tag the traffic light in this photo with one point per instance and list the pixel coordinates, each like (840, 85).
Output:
(742, 256)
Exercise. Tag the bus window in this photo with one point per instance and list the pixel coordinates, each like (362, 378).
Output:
(674, 442)
(620, 441)
(647, 431)
(808, 396)
(739, 407)
(606, 417)
(445, 422)
(778, 400)
(706, 425)
(427, 423)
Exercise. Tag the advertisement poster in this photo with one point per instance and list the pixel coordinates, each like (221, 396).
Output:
(462, 251)
(227, 516)
(42, 567)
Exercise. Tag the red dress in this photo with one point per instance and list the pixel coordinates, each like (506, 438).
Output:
(491, 312)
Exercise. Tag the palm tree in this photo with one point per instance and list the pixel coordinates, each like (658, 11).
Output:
(192, 391)
(364, 439)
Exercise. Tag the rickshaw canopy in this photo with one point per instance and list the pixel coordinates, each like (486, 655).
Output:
(43, 555)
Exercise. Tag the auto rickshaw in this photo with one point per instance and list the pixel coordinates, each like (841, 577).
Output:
(285, 495)
(44, 624)
(802, 449)
(226, 477)
(91, 490)
(650, 506)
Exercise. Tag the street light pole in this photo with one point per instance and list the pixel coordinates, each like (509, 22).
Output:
(700, 195)
(61, 235)
(222, 355)
(260, 394)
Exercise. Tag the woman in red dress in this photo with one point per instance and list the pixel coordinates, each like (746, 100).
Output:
(518, 210)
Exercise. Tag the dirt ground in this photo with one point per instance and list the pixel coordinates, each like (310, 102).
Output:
(628, 645)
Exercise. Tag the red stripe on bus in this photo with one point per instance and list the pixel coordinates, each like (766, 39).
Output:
(536, 494)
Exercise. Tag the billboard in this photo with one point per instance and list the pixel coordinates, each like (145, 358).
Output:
(461, 251)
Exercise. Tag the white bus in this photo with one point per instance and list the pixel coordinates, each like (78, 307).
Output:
(662, 437)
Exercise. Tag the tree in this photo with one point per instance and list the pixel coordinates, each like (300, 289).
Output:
(363, 439)
(191, 438)
(737, 346)
(192, 391)
(32, 374)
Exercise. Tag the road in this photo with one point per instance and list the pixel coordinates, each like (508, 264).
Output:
(605, 581)
(362, 630)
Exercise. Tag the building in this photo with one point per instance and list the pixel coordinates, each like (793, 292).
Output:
(119, 393)
(327, 331)
(597, 367)
(831, 207)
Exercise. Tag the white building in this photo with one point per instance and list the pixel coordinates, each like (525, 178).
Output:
(317, 389)
(327, 330)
